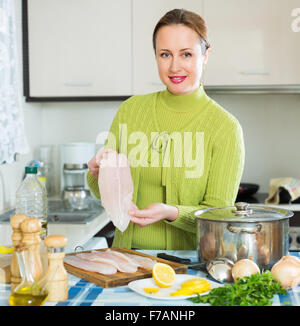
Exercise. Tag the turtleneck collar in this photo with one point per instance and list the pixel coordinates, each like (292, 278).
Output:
(184, 103)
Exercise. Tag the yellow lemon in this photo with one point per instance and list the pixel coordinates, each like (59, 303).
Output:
(163, 274)
(193, 282)
(182, 292)
(192, 286)
(201, 289)
(151, 290)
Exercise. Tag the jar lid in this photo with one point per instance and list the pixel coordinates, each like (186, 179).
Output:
(69, 166)
(243, 212)
(6, 250)
(31, 169)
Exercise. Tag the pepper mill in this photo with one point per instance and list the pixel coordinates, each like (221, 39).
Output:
(16, 238)
(31, 238)
(56, 275)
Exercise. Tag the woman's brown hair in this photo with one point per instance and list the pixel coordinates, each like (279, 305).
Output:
(187, 18)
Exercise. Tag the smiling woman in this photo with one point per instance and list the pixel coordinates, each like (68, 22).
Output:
(181, 49)
(165, 195)
(179, 67)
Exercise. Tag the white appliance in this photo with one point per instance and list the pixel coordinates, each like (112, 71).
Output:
(74, 167)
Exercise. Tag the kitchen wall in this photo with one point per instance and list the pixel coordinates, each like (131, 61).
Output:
(272, 134)
(270, 123)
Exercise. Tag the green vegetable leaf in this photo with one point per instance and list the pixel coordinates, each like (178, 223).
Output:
(254, 290)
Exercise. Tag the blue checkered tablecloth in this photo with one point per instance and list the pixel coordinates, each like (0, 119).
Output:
(83, 293)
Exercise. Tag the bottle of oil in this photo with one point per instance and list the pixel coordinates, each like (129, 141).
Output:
(28, 292)
(31, 198)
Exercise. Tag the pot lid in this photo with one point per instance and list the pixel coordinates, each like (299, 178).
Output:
(243, 212)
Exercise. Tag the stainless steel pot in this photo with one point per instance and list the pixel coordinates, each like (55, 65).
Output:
(245, 230)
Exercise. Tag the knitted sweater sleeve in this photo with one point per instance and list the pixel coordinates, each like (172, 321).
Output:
(223, 181)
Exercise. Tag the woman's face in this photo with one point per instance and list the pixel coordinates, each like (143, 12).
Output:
(179, 58)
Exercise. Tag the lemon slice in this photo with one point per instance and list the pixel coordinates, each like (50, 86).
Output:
(151, 290)
(163, 274)
(193, 282)
(192, 286)
(6, 249)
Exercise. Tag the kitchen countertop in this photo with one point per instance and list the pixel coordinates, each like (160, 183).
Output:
(260, 197)
(83, 293)
(77, 233)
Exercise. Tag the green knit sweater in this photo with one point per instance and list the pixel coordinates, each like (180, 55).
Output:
(185, 151)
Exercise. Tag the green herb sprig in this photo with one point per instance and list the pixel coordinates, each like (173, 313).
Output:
(254, 290)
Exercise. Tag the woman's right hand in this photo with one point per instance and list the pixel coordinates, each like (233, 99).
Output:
(94, 163)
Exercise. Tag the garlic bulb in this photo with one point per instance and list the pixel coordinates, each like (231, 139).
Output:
(287, 271)
(244, 267)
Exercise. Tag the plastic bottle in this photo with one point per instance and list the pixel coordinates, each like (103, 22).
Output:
(31, 198)
(40, 172)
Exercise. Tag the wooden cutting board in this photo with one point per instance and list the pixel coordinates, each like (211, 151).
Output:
(118, 279)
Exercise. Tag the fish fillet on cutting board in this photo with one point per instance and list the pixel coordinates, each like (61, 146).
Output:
(137, 260)
(118, 278)
(90, 266)
(143, 262)
(109, 258)
(116, 188)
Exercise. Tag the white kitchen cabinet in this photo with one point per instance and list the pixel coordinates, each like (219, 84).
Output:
(97, 49)
(253, 43)
(145, 16)
(79, 48)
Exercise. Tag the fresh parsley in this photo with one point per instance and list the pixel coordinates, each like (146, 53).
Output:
(254, 290)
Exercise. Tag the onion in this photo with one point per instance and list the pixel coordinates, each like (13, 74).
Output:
(287, 271)
(209, 246)
(244, 267)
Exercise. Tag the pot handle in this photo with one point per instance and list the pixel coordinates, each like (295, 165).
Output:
(244, 229)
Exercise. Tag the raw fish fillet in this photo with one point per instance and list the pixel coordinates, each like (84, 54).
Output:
(139, 261)
(136, 260)
(144, 262)
(90, 266)
(108, 257)
(122, 256)
(116, 188)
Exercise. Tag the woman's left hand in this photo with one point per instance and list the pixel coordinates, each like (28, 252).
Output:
(153, 213)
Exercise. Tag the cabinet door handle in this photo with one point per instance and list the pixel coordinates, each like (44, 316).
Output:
(255, 73)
